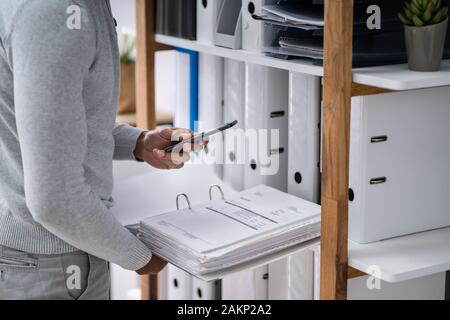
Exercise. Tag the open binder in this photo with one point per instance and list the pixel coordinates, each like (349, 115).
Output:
(249, 229)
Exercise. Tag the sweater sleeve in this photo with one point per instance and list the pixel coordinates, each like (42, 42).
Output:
(50, 62)
(125, 139)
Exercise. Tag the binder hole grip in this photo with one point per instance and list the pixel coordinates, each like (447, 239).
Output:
(376, 181)
(253, 165)
(199, 293)
(351, 195)
(251, 8)
(187, 200)
(277, 114)
(298, 178)
(378, 139)
(175, 283)
(205, 3)
(216, 186)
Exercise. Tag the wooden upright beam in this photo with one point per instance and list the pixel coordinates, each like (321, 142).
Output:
(145, 65)
(336, 141)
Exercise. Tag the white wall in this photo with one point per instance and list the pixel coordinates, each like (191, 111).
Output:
(124, 12)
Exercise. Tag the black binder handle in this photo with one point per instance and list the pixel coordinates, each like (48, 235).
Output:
(216, 186)
(187, 200)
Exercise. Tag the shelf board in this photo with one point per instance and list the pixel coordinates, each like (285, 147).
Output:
(404, 258)
(398, 77)
(392, 77)
(298, 65)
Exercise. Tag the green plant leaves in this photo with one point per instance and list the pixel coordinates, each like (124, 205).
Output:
(417, 22)
(421, 13)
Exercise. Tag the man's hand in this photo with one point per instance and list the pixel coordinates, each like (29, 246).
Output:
(150, 148)
(155, 266)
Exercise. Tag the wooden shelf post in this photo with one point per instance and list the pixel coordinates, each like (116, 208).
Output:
(336, 141)
(145, 63)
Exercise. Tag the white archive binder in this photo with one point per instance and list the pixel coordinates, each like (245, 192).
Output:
(292, 278)
(265, 104)
(249, 284)
(211, 108)
(399, 164)
(304, 136)
(234, 101)
(253, 31)
(316, 254)
(202, 290)
(207, 13)
(266, 124)
(164, 79)
(179, 284)
(182, 90)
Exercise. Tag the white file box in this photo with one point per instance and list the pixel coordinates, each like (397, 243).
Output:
(246, 285)
(234, 101)
(179, 284)
(253, 31)
(202, 290)
(399, 164)
(304, 136)
(228, 31)
(292, 278)
(207, 13)
(211, 109)
(266, 110)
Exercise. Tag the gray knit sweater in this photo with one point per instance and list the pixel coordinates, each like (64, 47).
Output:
(58, 95)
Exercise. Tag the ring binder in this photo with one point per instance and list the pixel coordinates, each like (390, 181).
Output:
(187, 200)
(217, 187)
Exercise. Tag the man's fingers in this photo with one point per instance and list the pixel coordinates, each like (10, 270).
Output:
(172, 158)
(176, 134)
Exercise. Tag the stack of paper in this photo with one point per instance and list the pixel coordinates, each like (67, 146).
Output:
(297, 13)
(224, 233)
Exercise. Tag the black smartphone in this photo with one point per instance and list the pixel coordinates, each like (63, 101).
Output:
(200, 137)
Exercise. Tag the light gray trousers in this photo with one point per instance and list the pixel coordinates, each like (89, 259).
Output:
(72, 276)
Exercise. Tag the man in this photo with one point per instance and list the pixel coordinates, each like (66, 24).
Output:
(59, 83)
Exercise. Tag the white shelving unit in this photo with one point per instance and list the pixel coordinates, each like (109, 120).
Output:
(404, 258)
(399, 259)
(393, 77)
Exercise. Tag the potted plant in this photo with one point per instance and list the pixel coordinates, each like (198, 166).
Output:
(425, 24)
(127, 99)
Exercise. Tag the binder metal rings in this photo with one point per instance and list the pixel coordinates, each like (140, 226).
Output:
(187, 200)
(217, 187)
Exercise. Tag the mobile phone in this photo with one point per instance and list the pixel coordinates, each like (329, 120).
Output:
(200, 137)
